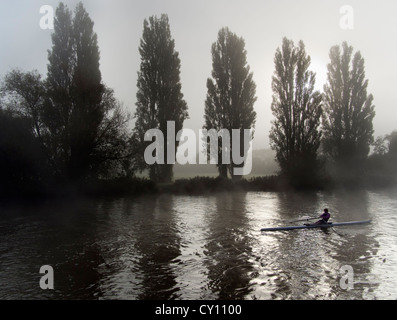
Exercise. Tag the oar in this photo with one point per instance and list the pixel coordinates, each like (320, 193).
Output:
(310, 218)
(341, 235)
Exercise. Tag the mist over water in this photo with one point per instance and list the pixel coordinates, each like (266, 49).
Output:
(200, 247)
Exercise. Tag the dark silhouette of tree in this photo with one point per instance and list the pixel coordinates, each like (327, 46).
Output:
(159, 96)
(22, 164)
(392, 146)
(347, 121)
(381, 166)
(230, 95)
(86, 123)
(111, 151)
(59, 83)
(87, 91)
(392, 154)
(380, 147)
(24, 96)
(297, 108)
(76, 121)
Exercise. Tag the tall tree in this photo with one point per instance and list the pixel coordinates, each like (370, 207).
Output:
(59, 82)
(347, 122)
(81, 113)
(230, 94)
(297, 108)
(159, 96)
(87, 93)
(78, 127)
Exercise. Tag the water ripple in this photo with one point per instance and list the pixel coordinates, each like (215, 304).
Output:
(200, 247)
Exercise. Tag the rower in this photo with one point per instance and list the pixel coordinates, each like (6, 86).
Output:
(324, 217)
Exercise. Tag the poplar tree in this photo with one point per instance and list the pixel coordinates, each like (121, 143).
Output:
(86, 124)
(87, 92)
(297, 107)
(159, 95)
(78, 127)
(348, 116)
(230, 94)
(59, 83)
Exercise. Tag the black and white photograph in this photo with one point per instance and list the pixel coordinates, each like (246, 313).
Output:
(212, 152)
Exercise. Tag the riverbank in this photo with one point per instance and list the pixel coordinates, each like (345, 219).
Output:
(122, 187)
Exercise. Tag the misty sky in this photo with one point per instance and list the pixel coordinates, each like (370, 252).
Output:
(194, 26)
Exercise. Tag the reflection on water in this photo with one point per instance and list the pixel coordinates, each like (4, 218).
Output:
(200, 247)
(228, 247)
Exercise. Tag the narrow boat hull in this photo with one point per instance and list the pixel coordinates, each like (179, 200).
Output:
(312, 226)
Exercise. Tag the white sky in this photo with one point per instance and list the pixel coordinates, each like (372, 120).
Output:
(195, 25)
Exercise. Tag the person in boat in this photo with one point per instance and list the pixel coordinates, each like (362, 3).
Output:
(324, 217)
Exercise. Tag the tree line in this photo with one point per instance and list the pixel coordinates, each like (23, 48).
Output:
(69, 128)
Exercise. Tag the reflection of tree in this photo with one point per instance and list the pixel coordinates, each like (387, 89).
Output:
(293, 205)
(52, 234)
(352, 205)
(75, 253)
(134, 249)
(139, 241)
(356, 247)
(229, 247)
(289, 268)
(157, 249)
(151, 242)
(110, 249)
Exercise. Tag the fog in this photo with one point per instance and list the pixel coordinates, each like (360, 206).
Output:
(194, 26)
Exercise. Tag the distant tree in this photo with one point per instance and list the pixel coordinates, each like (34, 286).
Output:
(348, 116)
(297, 108)
(159, 96)
(230, 94)
(392, 145)
(392, 154)
(380, 148)
(381, 166)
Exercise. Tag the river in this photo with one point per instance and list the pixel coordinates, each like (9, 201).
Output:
(201, 247)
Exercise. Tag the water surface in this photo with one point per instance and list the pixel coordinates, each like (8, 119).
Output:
(200, 247)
